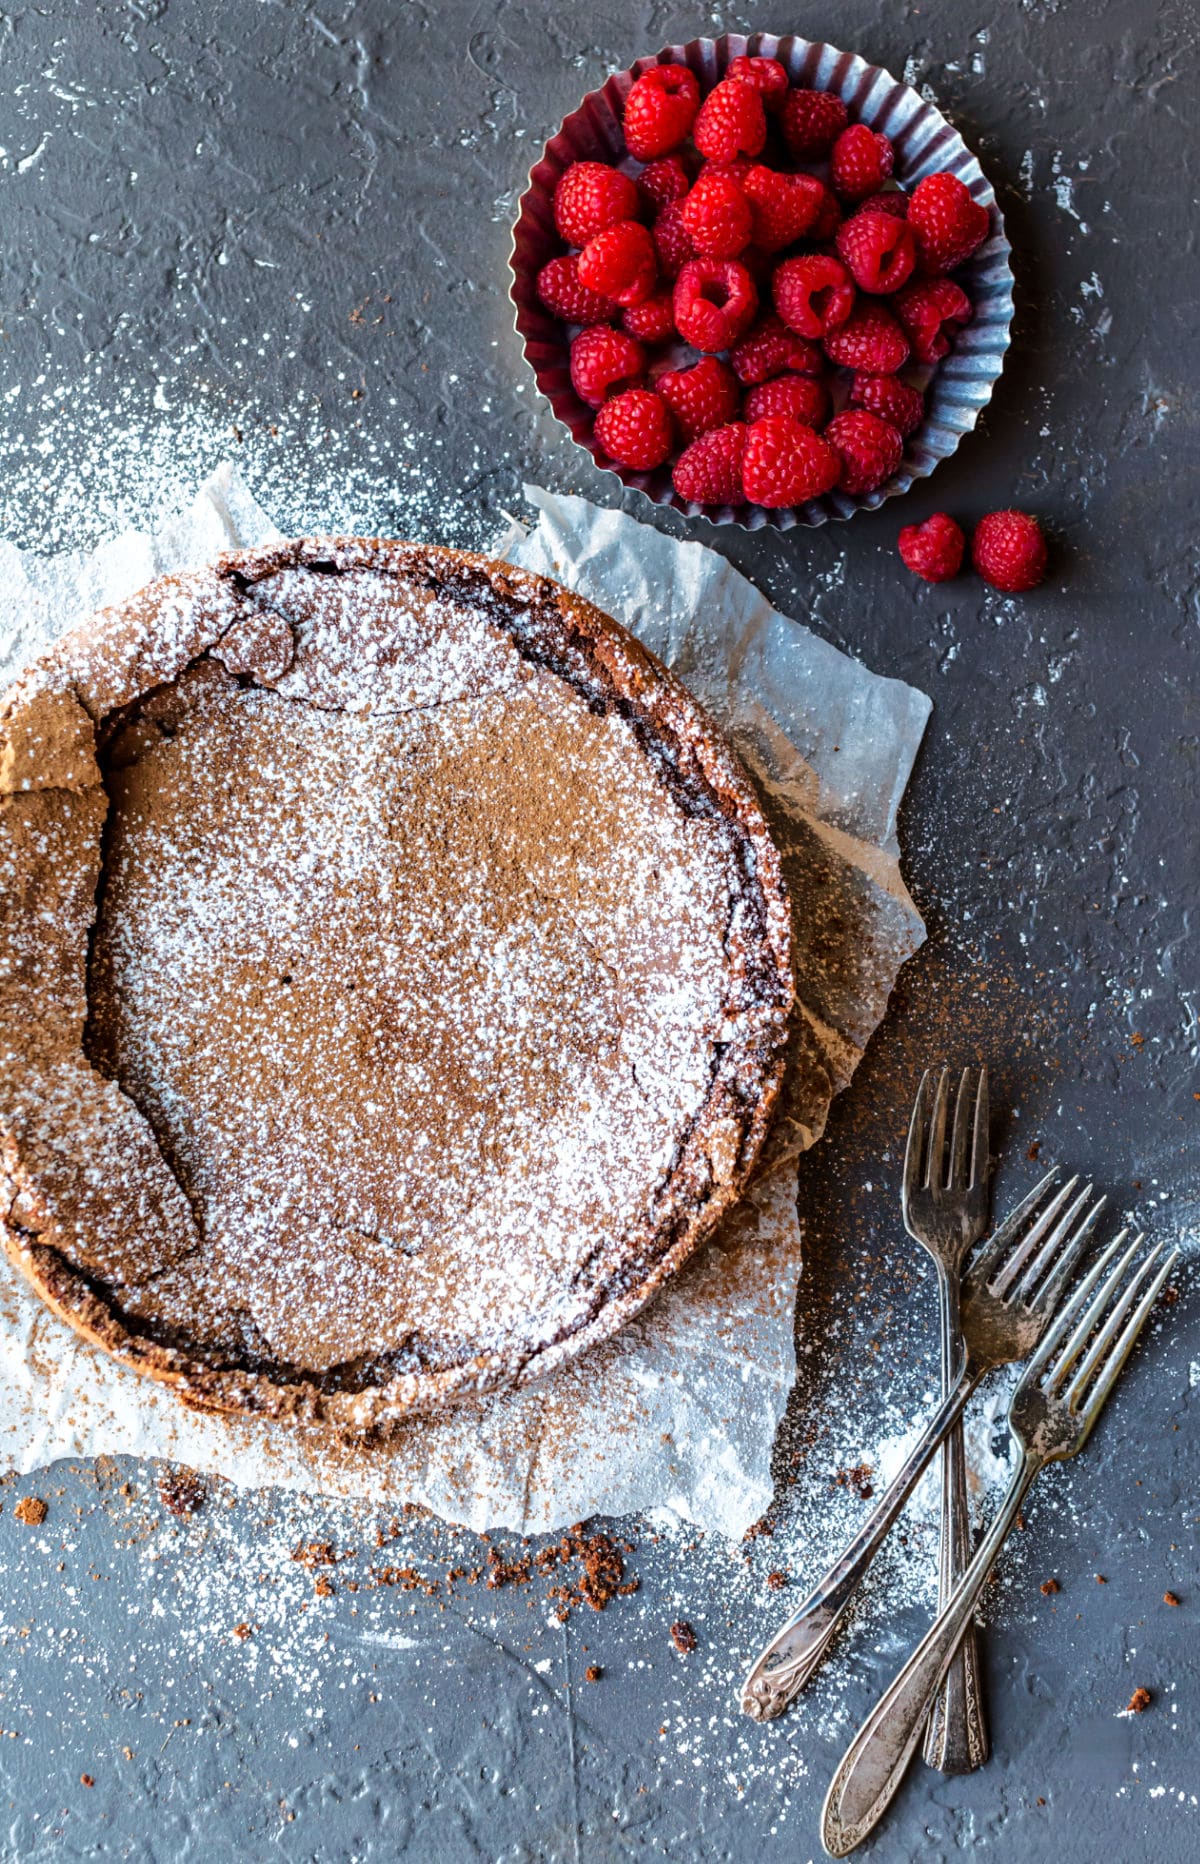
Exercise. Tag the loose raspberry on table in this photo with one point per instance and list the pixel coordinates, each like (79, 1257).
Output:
(702, 397)
(672, 241)
(653, 320)
(603, 360)
(731, 121)
(862, 161)
(663, 181)
(1009, 551)
(635, 429)
(801, 397)
(783, 206)
(931, 313)
(591, 196)
(889, 201)
(620, 262)
(764, 75)
(870, 340)
(870, 449)
(560, 290)
(891, 399)
(813, 294)
(715, 303)
(770, 348)
(811, 122)
(947, 223)
(786, 463)
(934, 549)
(709, 471)
(660, 110)
(878, 250)
(717, 216)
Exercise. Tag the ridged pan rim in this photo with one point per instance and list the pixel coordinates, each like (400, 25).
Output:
(924, 141)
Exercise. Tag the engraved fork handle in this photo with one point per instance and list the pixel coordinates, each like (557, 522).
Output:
(956, 1738)
(787, 1662)
(874, 1764)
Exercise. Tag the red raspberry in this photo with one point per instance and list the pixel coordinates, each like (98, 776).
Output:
(702, 397)
(604, 359)
(878, 250)
(771, 348)
(672, 241)
(931, 314)
(653, 320)
(870, 340)
(862, 161)
(591, 196)
(870, 449)
(731, 122)
(764, 75)
(799, 396)
(635, 429)
(784, 206)
(1009, 551)
(948, 224)
(735, 170)
(891, 201)
(663, 181)
(621, 262)
(829, 219)
(709, 472)
(811, 122)
(715, 301)
(934, 549)
(660, 110)
(559, 289)
(813, 294)
(717, 216)
(786, 463)
(894, 401)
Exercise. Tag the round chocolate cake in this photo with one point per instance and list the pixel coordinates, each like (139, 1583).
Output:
(394, 977)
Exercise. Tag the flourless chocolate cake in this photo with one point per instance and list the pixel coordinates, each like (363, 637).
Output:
(394, 979)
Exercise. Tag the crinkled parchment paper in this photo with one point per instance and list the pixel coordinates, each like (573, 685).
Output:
(680, 1409)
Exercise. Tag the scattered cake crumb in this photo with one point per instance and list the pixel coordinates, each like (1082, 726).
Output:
(1139, 1701)
(683, 1637)
(32, 1510)
(1050, 1585)
(1169, 1598)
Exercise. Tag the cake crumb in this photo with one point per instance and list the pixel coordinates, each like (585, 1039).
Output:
(242, 1632)
(1169, 1598)
(85, 1779)
(1050, 1585)
(683, 1637)
(182, 1492)
(1139, 1701)
(32, 1510)
(593, 1673)
(777, 1581)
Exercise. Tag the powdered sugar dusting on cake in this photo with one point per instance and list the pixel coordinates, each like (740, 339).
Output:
(426, 968)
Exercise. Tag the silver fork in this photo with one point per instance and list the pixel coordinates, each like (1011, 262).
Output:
(1010, 1295)
(945, 1205)
(1060, 1395)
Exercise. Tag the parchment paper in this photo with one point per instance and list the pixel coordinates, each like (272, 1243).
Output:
(680, 1410)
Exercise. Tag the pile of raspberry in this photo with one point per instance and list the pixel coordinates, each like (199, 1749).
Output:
(801, 291)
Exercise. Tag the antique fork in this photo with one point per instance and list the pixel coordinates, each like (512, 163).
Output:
(1010, 1295)
(944, 1202)
(1060, 1395)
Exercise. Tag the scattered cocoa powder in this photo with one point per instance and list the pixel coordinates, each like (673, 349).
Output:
(312, 1553)
(181, 1491)
(777, 1581)
(858, 1479)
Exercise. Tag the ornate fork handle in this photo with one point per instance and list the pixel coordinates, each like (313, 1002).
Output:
(875, 1762)
(783, 1668)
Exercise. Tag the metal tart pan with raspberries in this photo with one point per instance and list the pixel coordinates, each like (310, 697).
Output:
(808, 235)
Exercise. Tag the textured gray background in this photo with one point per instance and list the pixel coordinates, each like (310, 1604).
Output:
(196, 195)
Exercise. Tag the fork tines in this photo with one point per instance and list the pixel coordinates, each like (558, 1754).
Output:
(1036, 1249)
(1099, 1332)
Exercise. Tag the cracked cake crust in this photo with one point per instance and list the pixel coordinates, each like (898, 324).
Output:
(394, 975)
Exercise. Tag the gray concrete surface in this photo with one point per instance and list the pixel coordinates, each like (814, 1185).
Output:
(294, 217)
